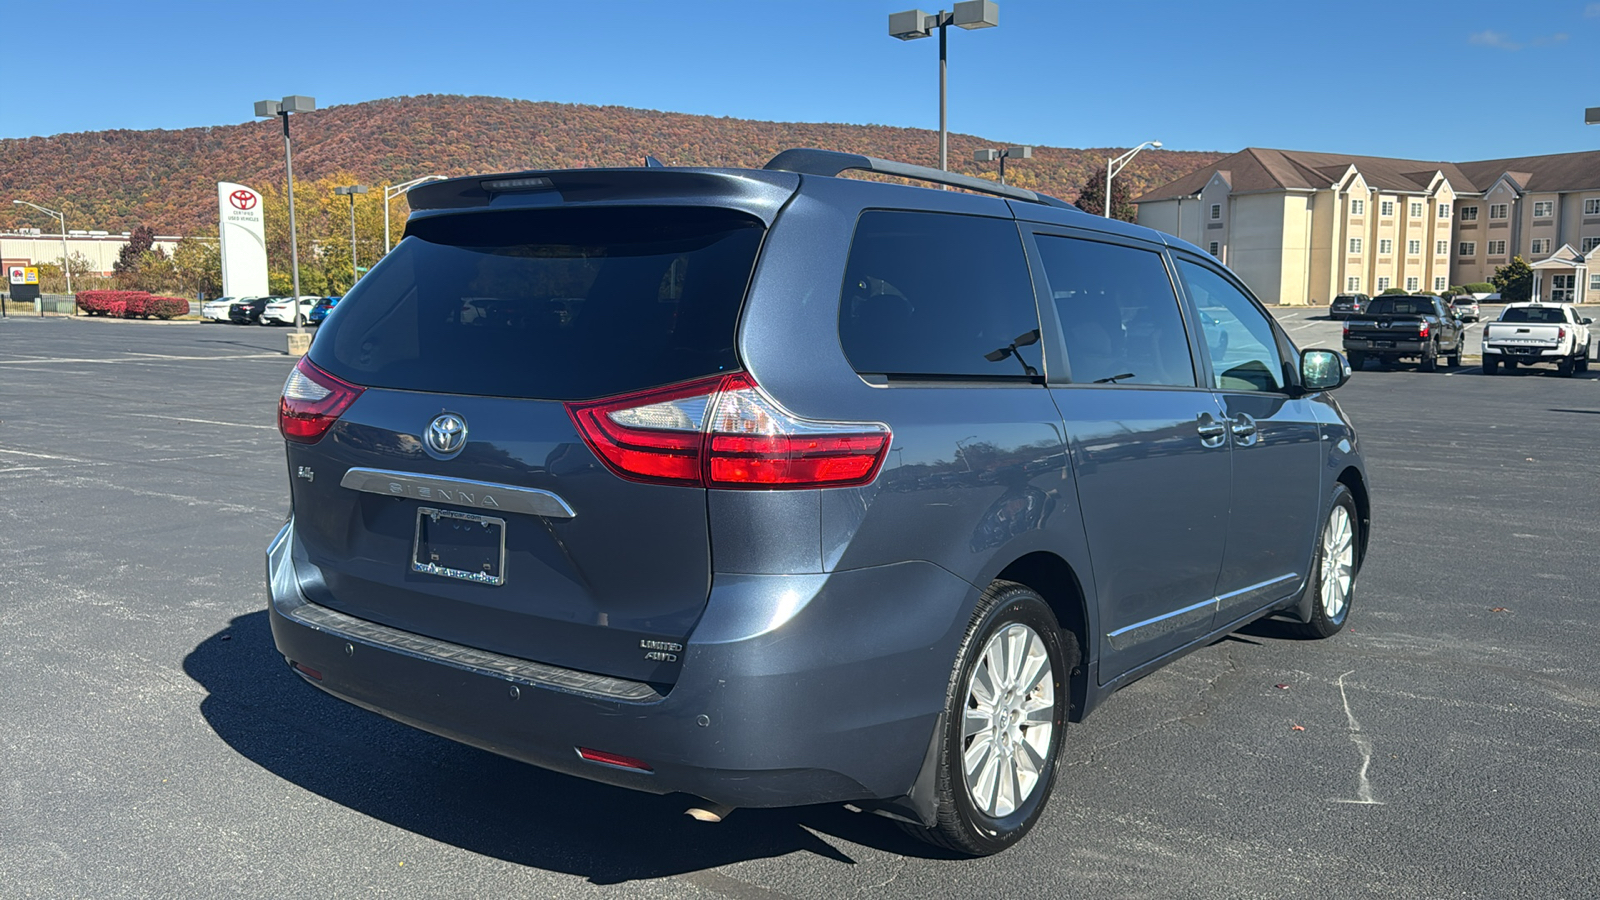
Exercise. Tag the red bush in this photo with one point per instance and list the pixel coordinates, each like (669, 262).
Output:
(168, 307)
(111, 303)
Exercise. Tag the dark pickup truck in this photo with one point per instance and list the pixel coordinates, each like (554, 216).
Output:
(1392, 327)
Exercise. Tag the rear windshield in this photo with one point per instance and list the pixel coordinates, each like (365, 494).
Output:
(1401, 306)
(560, 304)
(1534, 314)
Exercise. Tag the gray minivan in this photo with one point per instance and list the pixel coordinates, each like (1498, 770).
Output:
(773, 487)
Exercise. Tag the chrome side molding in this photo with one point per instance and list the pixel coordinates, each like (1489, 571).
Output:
(457, 491)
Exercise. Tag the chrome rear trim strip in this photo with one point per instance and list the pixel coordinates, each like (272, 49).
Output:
(457, 491)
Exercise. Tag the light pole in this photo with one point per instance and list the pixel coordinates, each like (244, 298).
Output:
(914, 23)
(66, 264)
(1002, 155)
(351, 191)
(393, 191)
(1113, 166)
(294, 103)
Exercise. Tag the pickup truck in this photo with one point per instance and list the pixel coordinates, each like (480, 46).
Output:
(1397, 326)
(1528, 333)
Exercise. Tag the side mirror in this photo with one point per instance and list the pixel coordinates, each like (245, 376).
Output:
(1588, 321)
(1323, 370)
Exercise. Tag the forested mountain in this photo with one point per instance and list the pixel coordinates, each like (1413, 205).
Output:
(116, 180)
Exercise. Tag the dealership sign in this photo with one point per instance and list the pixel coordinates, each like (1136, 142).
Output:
(24, 275)
(244, 241)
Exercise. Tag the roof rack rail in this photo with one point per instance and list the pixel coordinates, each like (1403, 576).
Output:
(806, 161)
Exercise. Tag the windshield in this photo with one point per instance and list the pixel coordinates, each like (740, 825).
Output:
(555, 304)
(1548, 315)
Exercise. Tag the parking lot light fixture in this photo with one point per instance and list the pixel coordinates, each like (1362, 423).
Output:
(395, 190)
(351, 191)
(1003, 155)
(66, 264)
(1591, 116)
(914, 23)
(294, 103)
(1113, 166)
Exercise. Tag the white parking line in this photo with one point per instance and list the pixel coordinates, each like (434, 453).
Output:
(203, 421)
(142, 358)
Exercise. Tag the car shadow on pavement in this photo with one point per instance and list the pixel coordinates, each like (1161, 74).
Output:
(481, 802)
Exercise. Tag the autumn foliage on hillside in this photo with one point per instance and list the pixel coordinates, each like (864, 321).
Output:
(117, 180)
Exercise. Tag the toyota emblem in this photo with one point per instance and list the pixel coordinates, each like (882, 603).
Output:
(242, 199)
(447, 434)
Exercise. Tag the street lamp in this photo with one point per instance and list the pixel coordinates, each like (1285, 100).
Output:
(294, 103)
(66, 264)
(1113, 166)
(393, 191)
(351, 191)
(1003, 155)
(914, 23)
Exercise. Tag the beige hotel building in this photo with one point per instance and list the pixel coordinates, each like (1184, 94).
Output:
(1301, 228)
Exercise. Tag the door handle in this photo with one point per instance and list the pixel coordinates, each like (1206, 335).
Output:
(1244, 429)
(1212, 432)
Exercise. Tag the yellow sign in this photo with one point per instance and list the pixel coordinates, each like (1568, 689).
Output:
(30, 275)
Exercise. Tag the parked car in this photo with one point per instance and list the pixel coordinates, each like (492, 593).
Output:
(1466, 308)
(217, 310)
(576, 480)
(1402, 326)
(1529, 333)
(247, 310)
(282, 310)
(1346, 305)
(321, 309)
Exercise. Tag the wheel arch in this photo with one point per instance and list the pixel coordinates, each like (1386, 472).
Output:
(1353, 480)
(1056, 581)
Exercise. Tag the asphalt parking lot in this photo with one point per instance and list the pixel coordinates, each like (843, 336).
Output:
(152, 743)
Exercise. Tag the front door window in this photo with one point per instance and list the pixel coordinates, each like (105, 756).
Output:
(1561, 288)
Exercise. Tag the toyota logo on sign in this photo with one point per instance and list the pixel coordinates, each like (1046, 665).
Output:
(242, 199)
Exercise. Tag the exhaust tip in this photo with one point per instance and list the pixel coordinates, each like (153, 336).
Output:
(709, 812)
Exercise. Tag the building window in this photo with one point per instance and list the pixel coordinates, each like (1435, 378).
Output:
(1544, 209)
(1383, 283)
(1385, 246)
(1589, 243)
(1353, 284)
(1438, 282)
(1444, 210)
(1540, 245)
(1358, 207)
(1355, 245)
(1594, 281)
(1412, 284)
(1416, 210)
(1497, 210)
(1214, 248)
(1441, 248)
(1469, 214)
(1497, 248)
(1386, 208)
(1216, 211)
(1413, 248)
(1468, 248)
(1591, 207)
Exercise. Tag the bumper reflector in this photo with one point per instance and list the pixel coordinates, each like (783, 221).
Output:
(613, 759)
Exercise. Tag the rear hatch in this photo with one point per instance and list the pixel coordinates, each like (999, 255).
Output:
(501, 529)
(1531, 327)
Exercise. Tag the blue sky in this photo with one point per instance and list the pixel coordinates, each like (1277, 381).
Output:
(1497, 78)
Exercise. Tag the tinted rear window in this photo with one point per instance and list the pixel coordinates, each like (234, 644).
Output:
(938, 294)
(1401, 306)
(1534, 315)
(560, 304)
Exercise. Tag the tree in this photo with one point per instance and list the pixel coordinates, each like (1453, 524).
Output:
(198, 264)
(1514, 281)
(1091, 198)
(1388, 292)
(142, 239)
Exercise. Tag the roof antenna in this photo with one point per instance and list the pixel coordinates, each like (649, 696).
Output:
(650, 162)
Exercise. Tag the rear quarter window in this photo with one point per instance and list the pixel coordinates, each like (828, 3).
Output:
(558, 304)
(934, 294)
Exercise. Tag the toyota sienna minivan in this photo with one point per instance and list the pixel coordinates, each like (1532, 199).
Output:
(775, 487)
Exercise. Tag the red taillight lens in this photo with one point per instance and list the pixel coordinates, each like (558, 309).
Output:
(1561, 334)
(614, 759)
(725, 432)
(1347, 329)
(312, 401)
(1423, 331)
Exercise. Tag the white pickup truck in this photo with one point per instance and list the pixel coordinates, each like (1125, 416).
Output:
(1529, 333)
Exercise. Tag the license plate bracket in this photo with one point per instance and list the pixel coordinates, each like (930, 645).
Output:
(460, 545)
(1383, 343)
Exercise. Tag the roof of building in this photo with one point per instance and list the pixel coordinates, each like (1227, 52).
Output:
(1260, 169)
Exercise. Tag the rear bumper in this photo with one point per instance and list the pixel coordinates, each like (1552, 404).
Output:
(1529, 354)
(1410, 347)
(794, 689)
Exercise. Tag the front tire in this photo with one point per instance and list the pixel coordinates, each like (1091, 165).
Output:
(1005, 714)
(1333, 582)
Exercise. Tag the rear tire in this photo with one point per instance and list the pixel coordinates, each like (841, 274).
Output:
(1454, 359)
(1357, 360)
(1564, 367)
(1005, 714)
(1430, 359)
(1491, 365)
(1333, 580)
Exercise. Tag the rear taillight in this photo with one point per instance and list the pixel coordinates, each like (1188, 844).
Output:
(1423, 330)
(1561, 334)
(1347, 329)
(312, 401)
(725, 432)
